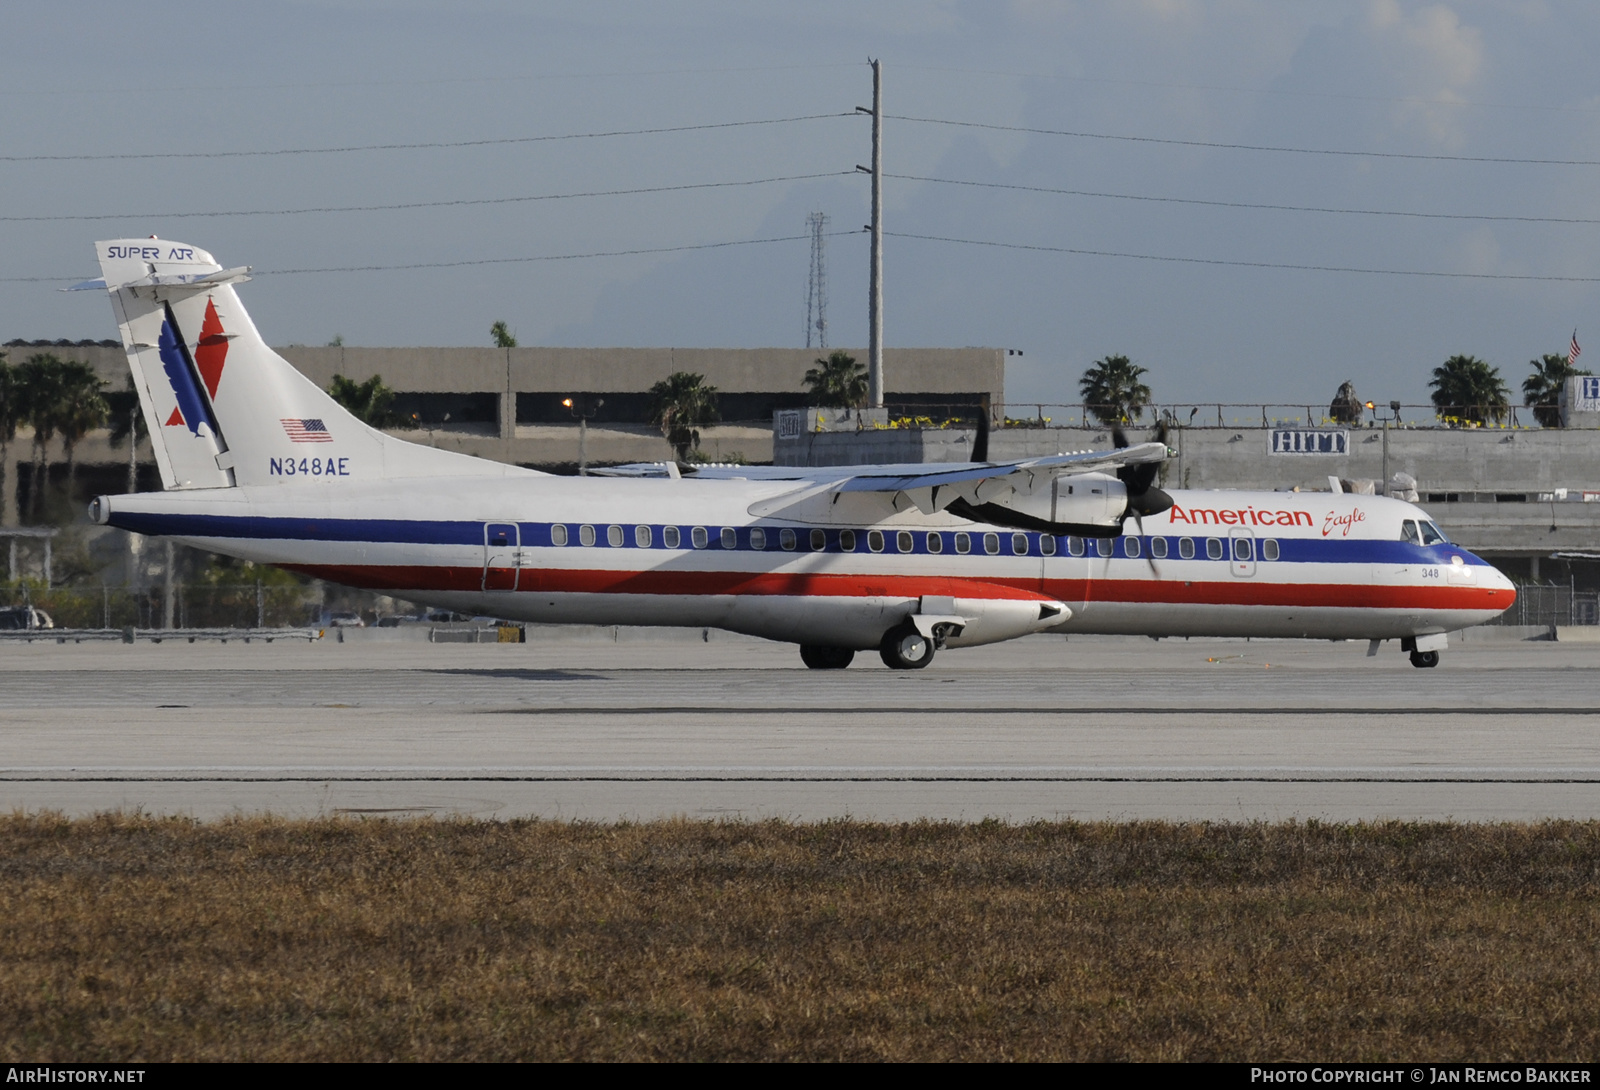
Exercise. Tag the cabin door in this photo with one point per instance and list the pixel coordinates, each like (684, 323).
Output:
(1243, 559)
(502, 555)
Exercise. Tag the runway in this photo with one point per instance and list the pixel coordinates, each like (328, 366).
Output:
(1043, 728)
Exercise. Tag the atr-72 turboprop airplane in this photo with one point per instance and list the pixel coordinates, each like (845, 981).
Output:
(259, 463)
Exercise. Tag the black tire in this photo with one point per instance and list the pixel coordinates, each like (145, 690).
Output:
(904, 648)
(826, 658)
(1424, 660)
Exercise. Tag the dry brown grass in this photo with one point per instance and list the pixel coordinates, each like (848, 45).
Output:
(130, 938)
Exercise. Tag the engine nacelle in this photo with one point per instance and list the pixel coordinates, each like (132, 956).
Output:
(1086, 504)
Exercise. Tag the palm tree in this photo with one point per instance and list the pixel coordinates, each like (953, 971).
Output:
(502, 335)
(81, 409)
(370, 402)
(1113, 391)
(838, 382)
(679, 405)
(39, 395)
(1542, 390)
(1470, 390)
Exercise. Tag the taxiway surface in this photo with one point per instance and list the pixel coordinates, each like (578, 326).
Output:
(1040, 728)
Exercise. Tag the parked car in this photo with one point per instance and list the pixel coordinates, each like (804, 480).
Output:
(345, 618)
(21, 618)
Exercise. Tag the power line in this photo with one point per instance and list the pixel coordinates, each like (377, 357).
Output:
(1252, 147)
(1245, 204)
(1410, 100)
(413, 147)
(1248, 264)
(547, 257)
(427, 204)
(235, 87)
(481, 261)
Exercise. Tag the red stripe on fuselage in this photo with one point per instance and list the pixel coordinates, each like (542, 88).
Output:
(1249, 592)
(1237, 592)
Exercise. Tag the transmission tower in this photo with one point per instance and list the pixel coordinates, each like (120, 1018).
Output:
(817, 284)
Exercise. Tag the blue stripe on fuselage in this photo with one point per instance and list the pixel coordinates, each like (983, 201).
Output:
(537, 534)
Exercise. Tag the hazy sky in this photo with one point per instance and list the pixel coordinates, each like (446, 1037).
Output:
(1400, 84)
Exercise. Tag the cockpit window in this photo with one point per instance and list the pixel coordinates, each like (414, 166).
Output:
(1408, 532)
(1431, 534)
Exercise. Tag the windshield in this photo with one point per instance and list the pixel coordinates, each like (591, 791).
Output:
(1431, 534)
(1408, 532)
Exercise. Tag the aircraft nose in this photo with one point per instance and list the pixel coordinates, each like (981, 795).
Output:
(1492, 578)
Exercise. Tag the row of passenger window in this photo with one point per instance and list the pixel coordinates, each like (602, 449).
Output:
(907, 541)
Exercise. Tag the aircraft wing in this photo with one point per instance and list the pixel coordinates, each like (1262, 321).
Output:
(896, 479)
(931, 488)
(903, 477)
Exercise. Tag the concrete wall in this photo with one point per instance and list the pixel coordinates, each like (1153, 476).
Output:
(1441, 459)
(607, 370)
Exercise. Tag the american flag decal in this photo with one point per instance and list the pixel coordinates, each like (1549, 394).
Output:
(309, 430)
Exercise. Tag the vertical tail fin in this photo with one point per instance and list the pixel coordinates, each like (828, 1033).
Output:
(222, 407)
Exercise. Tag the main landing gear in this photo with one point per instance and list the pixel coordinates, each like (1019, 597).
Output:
(1424, 659)
(904, 648)
(826, 658)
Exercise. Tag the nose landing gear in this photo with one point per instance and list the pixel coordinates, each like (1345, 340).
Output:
(1424, 650)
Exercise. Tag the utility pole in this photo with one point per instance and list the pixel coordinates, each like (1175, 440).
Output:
(875, 288)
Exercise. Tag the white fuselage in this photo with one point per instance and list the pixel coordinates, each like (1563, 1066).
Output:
(589, 550)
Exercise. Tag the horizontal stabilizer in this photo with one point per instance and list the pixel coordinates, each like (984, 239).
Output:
(197, 281)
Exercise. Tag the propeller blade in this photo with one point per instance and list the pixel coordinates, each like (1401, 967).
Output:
(1141, 479)
(1149, 557)
(980, 440)
(1149, 501)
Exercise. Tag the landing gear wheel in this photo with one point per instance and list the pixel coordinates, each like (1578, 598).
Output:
(826, 658)
(1424, 659)
(904, 648)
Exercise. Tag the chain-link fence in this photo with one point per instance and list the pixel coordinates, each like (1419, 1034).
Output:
(1549, 604)
(194, 605)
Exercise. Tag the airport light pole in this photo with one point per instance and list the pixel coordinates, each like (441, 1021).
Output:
(583, 414)
(1393, 417)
